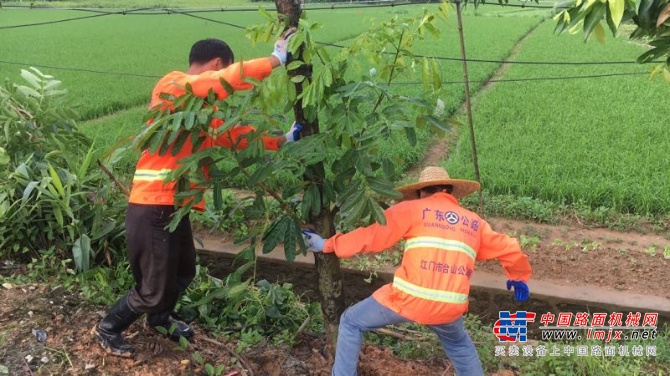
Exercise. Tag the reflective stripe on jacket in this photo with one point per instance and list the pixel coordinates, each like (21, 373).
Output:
(442, 242)
(152, 169)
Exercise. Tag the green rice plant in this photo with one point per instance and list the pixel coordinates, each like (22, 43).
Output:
(126, 79)
(570, 140)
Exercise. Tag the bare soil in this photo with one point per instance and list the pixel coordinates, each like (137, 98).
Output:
(573, 254)
(70, 348)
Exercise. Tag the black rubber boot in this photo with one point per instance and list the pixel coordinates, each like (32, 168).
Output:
(108, 331)
(174, 328)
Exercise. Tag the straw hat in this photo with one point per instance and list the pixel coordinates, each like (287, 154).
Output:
(433, 175)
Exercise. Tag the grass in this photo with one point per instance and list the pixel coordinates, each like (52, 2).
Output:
(127, 66)
(593, 141)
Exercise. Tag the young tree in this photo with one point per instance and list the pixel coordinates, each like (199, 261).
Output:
(345, 100)
(651, 18)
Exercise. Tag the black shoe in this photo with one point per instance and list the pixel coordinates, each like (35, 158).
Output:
(108, 331)
(174, 329)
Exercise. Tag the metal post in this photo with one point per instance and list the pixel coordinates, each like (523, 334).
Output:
(467, 103)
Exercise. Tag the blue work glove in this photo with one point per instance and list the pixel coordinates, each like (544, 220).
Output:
(281, 46)
(521, 291)
(313, 240)
(294, 133)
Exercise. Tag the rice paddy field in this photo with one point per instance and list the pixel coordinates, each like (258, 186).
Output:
(540, 132)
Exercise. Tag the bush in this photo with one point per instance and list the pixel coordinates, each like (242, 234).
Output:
(52, 194)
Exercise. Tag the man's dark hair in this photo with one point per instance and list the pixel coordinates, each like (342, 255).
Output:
(438, 188)
(208, 49)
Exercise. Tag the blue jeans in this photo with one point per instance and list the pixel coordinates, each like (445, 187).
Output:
(368, 315)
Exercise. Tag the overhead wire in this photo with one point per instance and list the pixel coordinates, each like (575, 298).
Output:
(189, 14)
(212, 20)
(122, 12)
(85, 70)
(140, 75)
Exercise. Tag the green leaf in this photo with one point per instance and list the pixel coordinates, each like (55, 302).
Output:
(294, 64)
(410, 133)
(377, 212)
(209, 369)
(57, 183)
(198, 358)
(291, 239)
(388, 168)
(383, 187)
(29, 189)
(81, 252)
(616, 8)
(183, 342)
(58, 213)
(358, 209)
(275, 234)
(101, 232)
(666, 75)
(227, 86)
(437, 123)
(599, 32)
(31, 78)
(592, 19)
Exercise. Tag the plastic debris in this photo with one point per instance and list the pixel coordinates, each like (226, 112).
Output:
(40, 334)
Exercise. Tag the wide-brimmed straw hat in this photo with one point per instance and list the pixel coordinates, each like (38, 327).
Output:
(434, 175)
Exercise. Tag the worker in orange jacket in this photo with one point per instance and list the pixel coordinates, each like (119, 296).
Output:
(442, 242)
(163, 262)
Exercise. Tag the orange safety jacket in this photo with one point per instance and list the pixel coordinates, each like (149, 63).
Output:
(149, 187)
(442, 242)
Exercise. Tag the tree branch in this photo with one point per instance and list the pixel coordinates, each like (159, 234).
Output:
(395, 60)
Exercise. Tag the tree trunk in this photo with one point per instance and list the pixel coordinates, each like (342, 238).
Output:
(327, 265)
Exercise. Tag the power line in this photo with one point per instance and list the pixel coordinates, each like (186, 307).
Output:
(53, 22)
(79, 69)
(444, 58)
(211, 20)
(560, 78)
(316, 6)
(123, 12)
(521, 62)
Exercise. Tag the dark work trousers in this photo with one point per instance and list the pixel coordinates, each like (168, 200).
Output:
(163, 262)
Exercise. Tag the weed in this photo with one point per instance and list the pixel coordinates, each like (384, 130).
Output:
(651, 250)
(666, 253)
(529, 243)
(589, 246)
(566, 245)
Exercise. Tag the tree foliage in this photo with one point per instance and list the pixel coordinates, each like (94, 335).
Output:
(650, 17)
(350, 91)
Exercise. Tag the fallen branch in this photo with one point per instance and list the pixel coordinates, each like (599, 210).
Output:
(232, 353)
(393, 334)
(123, 188)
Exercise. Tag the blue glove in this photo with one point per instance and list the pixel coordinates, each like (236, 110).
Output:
(281, 46)
(294, 132)
(313, 240)
(521, 290)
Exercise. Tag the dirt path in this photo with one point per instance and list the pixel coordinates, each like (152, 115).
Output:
(439, 150)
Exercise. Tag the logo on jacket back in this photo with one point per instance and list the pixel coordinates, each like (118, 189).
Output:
(512, 327)
(451, 217)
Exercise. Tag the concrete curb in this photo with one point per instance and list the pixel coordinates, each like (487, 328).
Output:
(553, 293)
